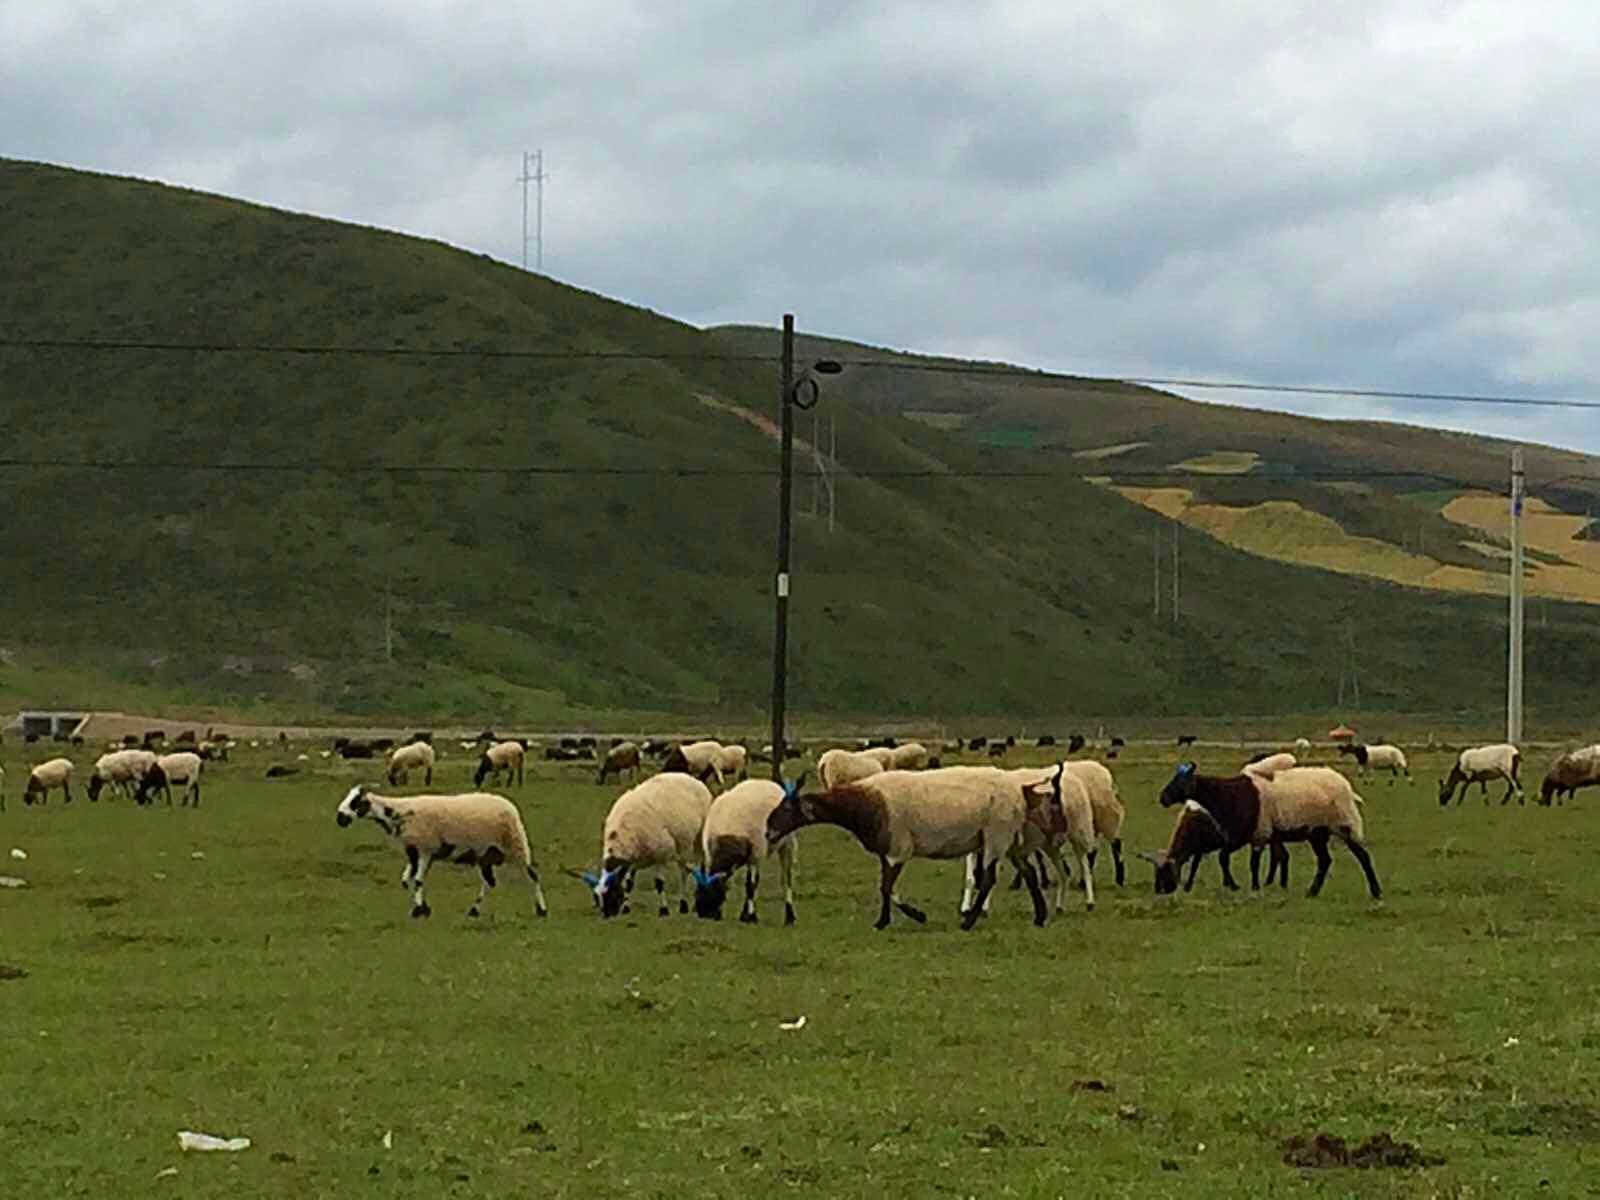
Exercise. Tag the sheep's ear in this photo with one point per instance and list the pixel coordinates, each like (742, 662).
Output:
(791, 787)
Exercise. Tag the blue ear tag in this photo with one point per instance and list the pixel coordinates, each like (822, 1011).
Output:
(591, 879)
(1186, 769)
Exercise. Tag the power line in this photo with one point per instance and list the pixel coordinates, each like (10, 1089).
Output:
(157, 347)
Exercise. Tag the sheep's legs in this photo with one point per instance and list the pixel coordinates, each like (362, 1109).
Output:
(1088, 880)
(487, 872)
(969, 884)
(890, 875)
(1255, 869)
(1319, 845)
(988, 868)
(786, 854)
(1116, 858)
(1194, 867)
(685, 885)
(419, 869)
(1031, 877)
(539, 908)
(1365, 859)
(752, 879)
(661, 897)
(1227, 871)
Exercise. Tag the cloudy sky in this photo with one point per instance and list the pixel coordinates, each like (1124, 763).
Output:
(1387, 193)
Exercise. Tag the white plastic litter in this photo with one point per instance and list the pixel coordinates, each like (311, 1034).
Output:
(797, 1023)
(189, 1140)
(388, 1139)
(11, 881)
(198, 854)
(19, 854)
(167, 1174)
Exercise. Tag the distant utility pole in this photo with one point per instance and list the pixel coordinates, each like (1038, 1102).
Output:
(1174, 570)
(533, 172)
(1155, 562)
(1514, 663)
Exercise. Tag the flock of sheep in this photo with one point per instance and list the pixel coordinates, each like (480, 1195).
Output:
(896, 801)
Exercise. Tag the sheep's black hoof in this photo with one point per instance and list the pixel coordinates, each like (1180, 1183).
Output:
(747, 918)
(881, 923)
(422, 910)
(683, 906)
(473, 911)
(541, 911)
(788, 914)
(663, 911)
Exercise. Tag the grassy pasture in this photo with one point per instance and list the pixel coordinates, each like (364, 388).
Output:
(275, 987)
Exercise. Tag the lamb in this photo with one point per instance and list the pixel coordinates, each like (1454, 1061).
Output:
(502, 756)
(1479, 765)
(56, 773)
(734, 836)
(1381, 757)
(838, 767)
(475, 829)
(124, 770)
(624, 756)
(1300, 804)
(902, 815)
(1269, 764)
(413, 756)
(1573, 770)
(182, 768)
(731, 762)
(651, 824)
(701, 759)
(1069, 819)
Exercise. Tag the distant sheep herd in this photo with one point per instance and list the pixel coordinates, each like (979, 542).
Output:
(897, 800)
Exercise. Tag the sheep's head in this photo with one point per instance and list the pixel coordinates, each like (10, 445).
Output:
(154, 780)
(1547, 789)
(1181, 787)
(710, 893)
(96, 784)
(790, 813)
(1196, 833)
(1446, 786)
(355, 804)
(1044, 803)
(610, 889)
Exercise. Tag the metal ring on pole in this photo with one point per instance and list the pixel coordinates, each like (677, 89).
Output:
(796, 392)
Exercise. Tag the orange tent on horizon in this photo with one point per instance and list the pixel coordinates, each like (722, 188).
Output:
(1341, 733)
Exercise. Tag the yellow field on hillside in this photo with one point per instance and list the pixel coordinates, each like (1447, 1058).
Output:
(1288, 532)
(1221, 462)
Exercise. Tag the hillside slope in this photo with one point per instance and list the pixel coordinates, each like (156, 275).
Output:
(592, 523)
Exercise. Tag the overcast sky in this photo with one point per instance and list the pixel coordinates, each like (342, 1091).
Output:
(1389, 194)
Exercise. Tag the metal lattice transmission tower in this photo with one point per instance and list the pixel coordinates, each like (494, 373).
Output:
(533, 172)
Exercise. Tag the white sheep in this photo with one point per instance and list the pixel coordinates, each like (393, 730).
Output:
(940, 814)
(415, 756)
(474, 829)
(1481, 764)
(702, 760)
(838, 767)
(1107, 805)
(731, 762)
(624, 756)
(1268, 764)
(1311, 804)
(650, 825)
(182, 768)
(122, 769)
(734, 836)
(1381, 757)
(1068, 820)
(1302, 746)
(56, 773)
(1573, 770)
(502, 756)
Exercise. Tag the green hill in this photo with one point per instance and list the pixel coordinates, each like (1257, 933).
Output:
(622, 558)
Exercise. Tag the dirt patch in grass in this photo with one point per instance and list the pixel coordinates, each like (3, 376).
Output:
(101, 901)
(7, 971)
(1378, 1151)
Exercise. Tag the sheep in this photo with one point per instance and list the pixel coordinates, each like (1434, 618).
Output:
(411, 757)
(902, 815)
(701, 759)
(1299, 804)
(1479, 765)
(1069, 819)
(1573, 770)
(474, 829)
(731, 762)
(734, 836)
(912, 756)
(502, 756)
(651, 824)
(1107, 808)
(838, 767)
(1302, 746)
(1380, 757)
(1267, 763)
(182, 768)
(624, 756)
(123, 769)
(56, 773)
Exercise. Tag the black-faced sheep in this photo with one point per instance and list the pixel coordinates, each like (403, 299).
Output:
(502, 756)
(1573, 770)
(901, 815)
(56, 773)
(414, 756)
(1380, 757)
(122, 769)
(652, 824)
(182, 768)
(701, 760)
(735, 836)
(475, 829)
(1479, 766)
(624, 756)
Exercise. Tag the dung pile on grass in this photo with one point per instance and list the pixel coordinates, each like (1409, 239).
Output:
(1379, 1150)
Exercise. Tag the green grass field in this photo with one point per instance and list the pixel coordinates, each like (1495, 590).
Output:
(249, 968)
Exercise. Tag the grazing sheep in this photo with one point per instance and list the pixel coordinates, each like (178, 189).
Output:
(734, 836)
(902, 815)
(413, 756)
(475, 829)
(731, 762)
(1186, 739)
(1068, 819)
(1479, 765)
(651, 824)
(1234, 806)
(1076, 742)
(1573, 770)
(502, 756)
(624, 756)
(182, 768)
(701, 759)
(912, 756)
(123, 770)
(838, 767)
(1379, 757)
(1302, 746)
(56, 773)
(279, 771)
